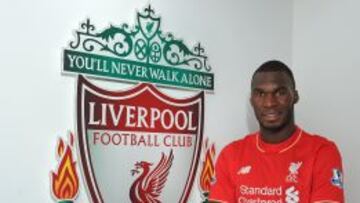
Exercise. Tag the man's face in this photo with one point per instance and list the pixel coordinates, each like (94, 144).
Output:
(273, 97)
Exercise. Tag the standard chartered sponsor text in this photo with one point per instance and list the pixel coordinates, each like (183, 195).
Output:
(260, 194)
(257, 200)
(269, 191)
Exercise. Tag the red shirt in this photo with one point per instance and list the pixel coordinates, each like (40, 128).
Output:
(303, 169)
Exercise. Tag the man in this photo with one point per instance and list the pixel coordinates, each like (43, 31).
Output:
(281, 163)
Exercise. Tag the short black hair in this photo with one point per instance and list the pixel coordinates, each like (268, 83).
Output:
(275, 66)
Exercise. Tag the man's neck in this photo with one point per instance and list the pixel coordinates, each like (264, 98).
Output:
(277, 135)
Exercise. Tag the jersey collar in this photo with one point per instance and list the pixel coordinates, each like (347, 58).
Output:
(280, 147)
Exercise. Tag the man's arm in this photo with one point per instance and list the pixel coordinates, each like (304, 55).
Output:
(327, 186)
(223, 188)
(212, 201)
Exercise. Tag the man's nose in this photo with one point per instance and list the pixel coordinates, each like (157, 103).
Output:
(270, 100)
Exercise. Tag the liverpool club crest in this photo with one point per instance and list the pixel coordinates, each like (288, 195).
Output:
(138, 145)
(135, 145)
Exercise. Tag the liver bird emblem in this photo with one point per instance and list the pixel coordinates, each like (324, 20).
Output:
(294, 167)
(148, 186)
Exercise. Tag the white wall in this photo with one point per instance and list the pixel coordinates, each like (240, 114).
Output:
(326, 62)
(38, 103)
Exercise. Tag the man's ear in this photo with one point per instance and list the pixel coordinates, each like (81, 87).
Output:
(296, 96)
(251, 101)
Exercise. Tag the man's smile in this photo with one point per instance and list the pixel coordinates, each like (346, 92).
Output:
(271, 115)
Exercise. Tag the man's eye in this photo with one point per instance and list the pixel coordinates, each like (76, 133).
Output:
(259, 94)
(281, 92)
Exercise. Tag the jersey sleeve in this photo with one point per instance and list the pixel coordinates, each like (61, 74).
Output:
(223, 188)
(328, 175)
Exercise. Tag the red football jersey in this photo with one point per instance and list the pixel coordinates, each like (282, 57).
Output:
(303, 169)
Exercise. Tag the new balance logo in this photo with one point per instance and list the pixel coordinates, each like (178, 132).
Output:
(244, 170)
(292, 195)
